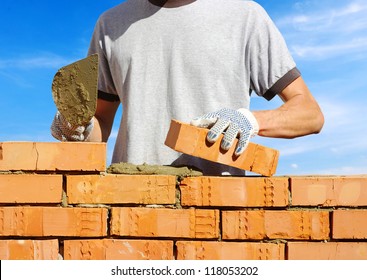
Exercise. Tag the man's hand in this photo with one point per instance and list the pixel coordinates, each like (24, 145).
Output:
(62, 130)
(240, 123)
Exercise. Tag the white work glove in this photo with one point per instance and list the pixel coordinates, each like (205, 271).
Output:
(235, 123)
(62, 130)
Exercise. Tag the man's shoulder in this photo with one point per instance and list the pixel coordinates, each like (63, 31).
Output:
(112, 12)
(236, 8)
(125, 9)
(242, 4)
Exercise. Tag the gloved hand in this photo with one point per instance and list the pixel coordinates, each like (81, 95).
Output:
(62, 130)
(234, 122)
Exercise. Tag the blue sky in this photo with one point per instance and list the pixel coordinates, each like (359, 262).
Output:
(328, 40)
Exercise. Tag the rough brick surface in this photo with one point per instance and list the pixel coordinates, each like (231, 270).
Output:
(50, 156)
(29, 249)
(53, 221)
(118, 249)
(327, 251)
(121, 189)
(30, 188)
(158, 222)
(56, 202)
(234, 191)
(206, 250)
(349, 224)
(275, 224)
(329, 191)
(191, 140)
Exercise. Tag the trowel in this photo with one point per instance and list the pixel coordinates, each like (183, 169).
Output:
(74, 90)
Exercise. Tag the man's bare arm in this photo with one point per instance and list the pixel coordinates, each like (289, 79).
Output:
(299, 115)
(103, 120)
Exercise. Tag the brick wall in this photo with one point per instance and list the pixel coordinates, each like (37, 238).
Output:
(57, 201)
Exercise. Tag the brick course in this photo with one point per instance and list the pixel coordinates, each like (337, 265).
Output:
(57, 201)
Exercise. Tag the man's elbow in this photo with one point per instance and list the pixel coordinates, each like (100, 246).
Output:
(318, 122)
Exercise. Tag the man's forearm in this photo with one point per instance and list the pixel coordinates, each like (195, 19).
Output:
(298, 117)
(103, 120)
(96, 134)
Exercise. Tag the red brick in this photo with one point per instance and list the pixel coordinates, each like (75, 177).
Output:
(329, 191)
(191, 140)
(112, 189)
(52, 156)
(349, 224)
(53, 221)
(327, 251)
(118, 249)
(29, 249)
(160, 222)
(26, 188)
(271, 224)
(234, 191)
(210, 250)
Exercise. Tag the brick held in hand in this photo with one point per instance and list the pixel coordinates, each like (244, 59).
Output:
(191, 140)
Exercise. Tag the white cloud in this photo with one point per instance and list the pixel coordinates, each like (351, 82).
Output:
(44, 60)
(355, 8)
(324, 29)
(298, 147)
(345, 170)
(294, 165)
(337, 114)
(344, 121)
(323, 16)
(14, 78)
(322, 51)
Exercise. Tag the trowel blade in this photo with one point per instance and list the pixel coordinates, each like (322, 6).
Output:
(74, 90)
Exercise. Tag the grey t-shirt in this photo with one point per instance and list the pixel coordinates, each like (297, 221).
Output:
(180, 63)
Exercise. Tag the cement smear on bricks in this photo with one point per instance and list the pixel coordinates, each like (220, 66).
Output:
(146, 169)
(74, 90)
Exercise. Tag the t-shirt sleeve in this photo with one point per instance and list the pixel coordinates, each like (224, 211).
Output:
(98, 44)
(272, 67)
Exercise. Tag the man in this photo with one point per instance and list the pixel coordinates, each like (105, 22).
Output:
(194, 61)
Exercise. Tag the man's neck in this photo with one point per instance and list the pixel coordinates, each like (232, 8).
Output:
(171, 3)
